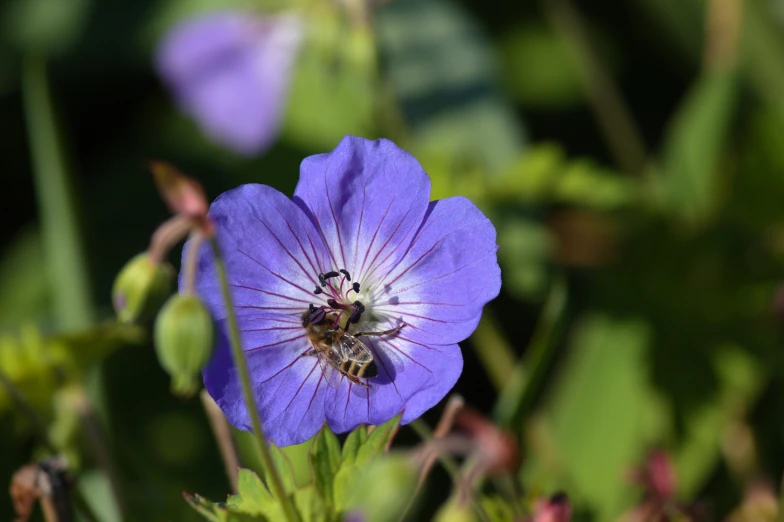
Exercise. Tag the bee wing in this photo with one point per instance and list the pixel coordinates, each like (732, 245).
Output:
(331, 374)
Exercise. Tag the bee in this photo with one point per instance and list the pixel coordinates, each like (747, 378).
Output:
(339, 350)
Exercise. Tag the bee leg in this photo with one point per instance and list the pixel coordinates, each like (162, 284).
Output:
(391, 331)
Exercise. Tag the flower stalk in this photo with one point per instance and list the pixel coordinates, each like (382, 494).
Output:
(242, 368)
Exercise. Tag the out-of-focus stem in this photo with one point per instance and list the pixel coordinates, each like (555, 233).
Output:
(614, 118)
(493, 350)
(722, 32)
(242, 370)
(97, 443)
(518, 395)
(220, 428)
(65, 260)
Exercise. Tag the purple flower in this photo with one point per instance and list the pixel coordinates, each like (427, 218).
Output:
(230, 71)
(361, 243)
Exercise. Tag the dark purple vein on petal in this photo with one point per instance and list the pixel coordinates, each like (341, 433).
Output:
(373, 239)
(384, 367)
(335, 219)
(277, 343)
(285, 248)
(287, 297)
(404, 354)
(288, 366)
(307, 378)
(313, 267)
(403, 290)
(265, 267)
(359, 227)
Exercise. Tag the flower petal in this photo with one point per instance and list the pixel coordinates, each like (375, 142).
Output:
(412, 378)
(449, 272)
(230, 71)
(273, 255)
(288, 386)
(367, 199)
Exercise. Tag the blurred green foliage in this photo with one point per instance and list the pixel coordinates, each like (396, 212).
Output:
(671, 336)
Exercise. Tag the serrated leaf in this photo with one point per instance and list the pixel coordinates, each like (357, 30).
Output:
(310, 505)
(206, 508)
(351, 446)
(216, 512)
(325, 463)
(378, 441)
(253, 497)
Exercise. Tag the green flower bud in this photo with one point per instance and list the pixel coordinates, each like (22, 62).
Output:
(385, 487)
(183, 341)
(140, 289)
(455, 511)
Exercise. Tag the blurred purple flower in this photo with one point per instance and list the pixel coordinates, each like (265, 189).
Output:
(363, 208)
(230, 71)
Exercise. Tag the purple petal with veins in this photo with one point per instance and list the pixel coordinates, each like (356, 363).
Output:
(362, 232)
(230, 71)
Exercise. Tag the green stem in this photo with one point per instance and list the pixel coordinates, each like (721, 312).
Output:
(518, 395)
(66, 263)
(250, 403)
(613, 116)
(493, 350)
(426, 434)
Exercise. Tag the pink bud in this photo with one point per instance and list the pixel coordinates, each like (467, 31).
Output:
(556, 509)
(660, 475)
(182, 194)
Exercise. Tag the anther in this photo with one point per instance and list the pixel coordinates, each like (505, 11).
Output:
(335, 305)
(317, 291)
(359, 306)
(345, 273)
(355, 287)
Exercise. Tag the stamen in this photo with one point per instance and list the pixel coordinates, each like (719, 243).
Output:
(334, 304)
(317, 315)
(345, 273)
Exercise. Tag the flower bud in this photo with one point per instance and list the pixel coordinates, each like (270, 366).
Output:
(140, 289)
(383, 491)
(556, 509)
(455, 511)
(183, 340)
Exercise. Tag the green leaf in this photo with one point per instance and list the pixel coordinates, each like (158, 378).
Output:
(359, 450)
(253, 497)
(604, 414)
(694, 145)
(333, 88)
(325, 463)
(66, 261)
(216, 512)
(442, 71)
(378, 441)
(310, 505)
(26, 295)
(44, 25)
(353, 442)
(538, 68)
(741, 379)
(284, 468)
(343, 486)
(497, 509)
